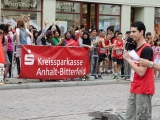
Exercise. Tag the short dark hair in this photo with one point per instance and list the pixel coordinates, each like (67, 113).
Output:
(108, 34)
(101, 30)
(140, 26)
(94, 29)
(116, 32)
(119, 33)
(55, 31)
(81, 26)
(128, 32)
(148, 33)
(110, 28)
(32, 26)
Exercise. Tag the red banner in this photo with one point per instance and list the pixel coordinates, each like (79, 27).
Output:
(53, 62)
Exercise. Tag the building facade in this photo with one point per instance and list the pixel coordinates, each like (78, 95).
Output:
(92, 13)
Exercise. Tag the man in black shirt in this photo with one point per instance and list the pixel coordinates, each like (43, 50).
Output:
(142, 78)
(110, 31)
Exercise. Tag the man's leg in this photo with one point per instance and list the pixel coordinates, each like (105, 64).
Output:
(115, 68)
(131, 108)
(110, 61)
(103, 67)
(129, 70)
(122, 69)
(143, 107)
(107, 63)
(98, 67)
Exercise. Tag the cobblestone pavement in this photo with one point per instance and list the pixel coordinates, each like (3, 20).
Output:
(67, 103)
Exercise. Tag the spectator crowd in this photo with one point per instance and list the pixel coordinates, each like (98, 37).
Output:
(110, 44)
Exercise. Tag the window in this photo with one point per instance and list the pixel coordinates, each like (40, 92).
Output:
(13, 16)
(67, 7)
(12, 10)
(109, 15)
(66, 20)
(66, 14)
(21, 4)
(106, 21)
(157, 12)
(109, 9)
(157, 21)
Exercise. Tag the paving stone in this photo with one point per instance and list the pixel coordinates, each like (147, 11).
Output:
(67, 103)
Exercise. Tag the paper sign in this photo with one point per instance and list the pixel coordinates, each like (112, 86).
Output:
(134, 55)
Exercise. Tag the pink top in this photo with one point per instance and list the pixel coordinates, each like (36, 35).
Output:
(156, 49)
(10, 45)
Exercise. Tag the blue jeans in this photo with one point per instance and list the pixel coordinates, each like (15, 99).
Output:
(10, 53)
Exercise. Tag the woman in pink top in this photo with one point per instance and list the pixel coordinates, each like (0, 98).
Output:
(156, 50)
(8, 33)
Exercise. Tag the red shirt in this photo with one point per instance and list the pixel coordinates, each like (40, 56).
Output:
(145, 84)
(114, 40)
(102, 50)
(118, 53)
(70, 42)
(77, 42)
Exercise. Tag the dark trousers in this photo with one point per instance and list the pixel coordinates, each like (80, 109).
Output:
(122, 69)
(10, 55)
(18, 65)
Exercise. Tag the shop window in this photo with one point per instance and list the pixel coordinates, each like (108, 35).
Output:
(157, 12)
(66, 14)
(21, 4)
(65, 21)
(13, 16)
(12, 10)
(109, 9)
(109, 15)
(157, 21)
(62, 6)
(85, 8)
(106, 21)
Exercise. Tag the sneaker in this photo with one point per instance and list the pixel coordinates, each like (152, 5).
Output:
(123, 78)
(115, 78)
(83, 78)
(102, 72)
(95, 77)
(111, 72)
(106, 72)
(99, 76)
